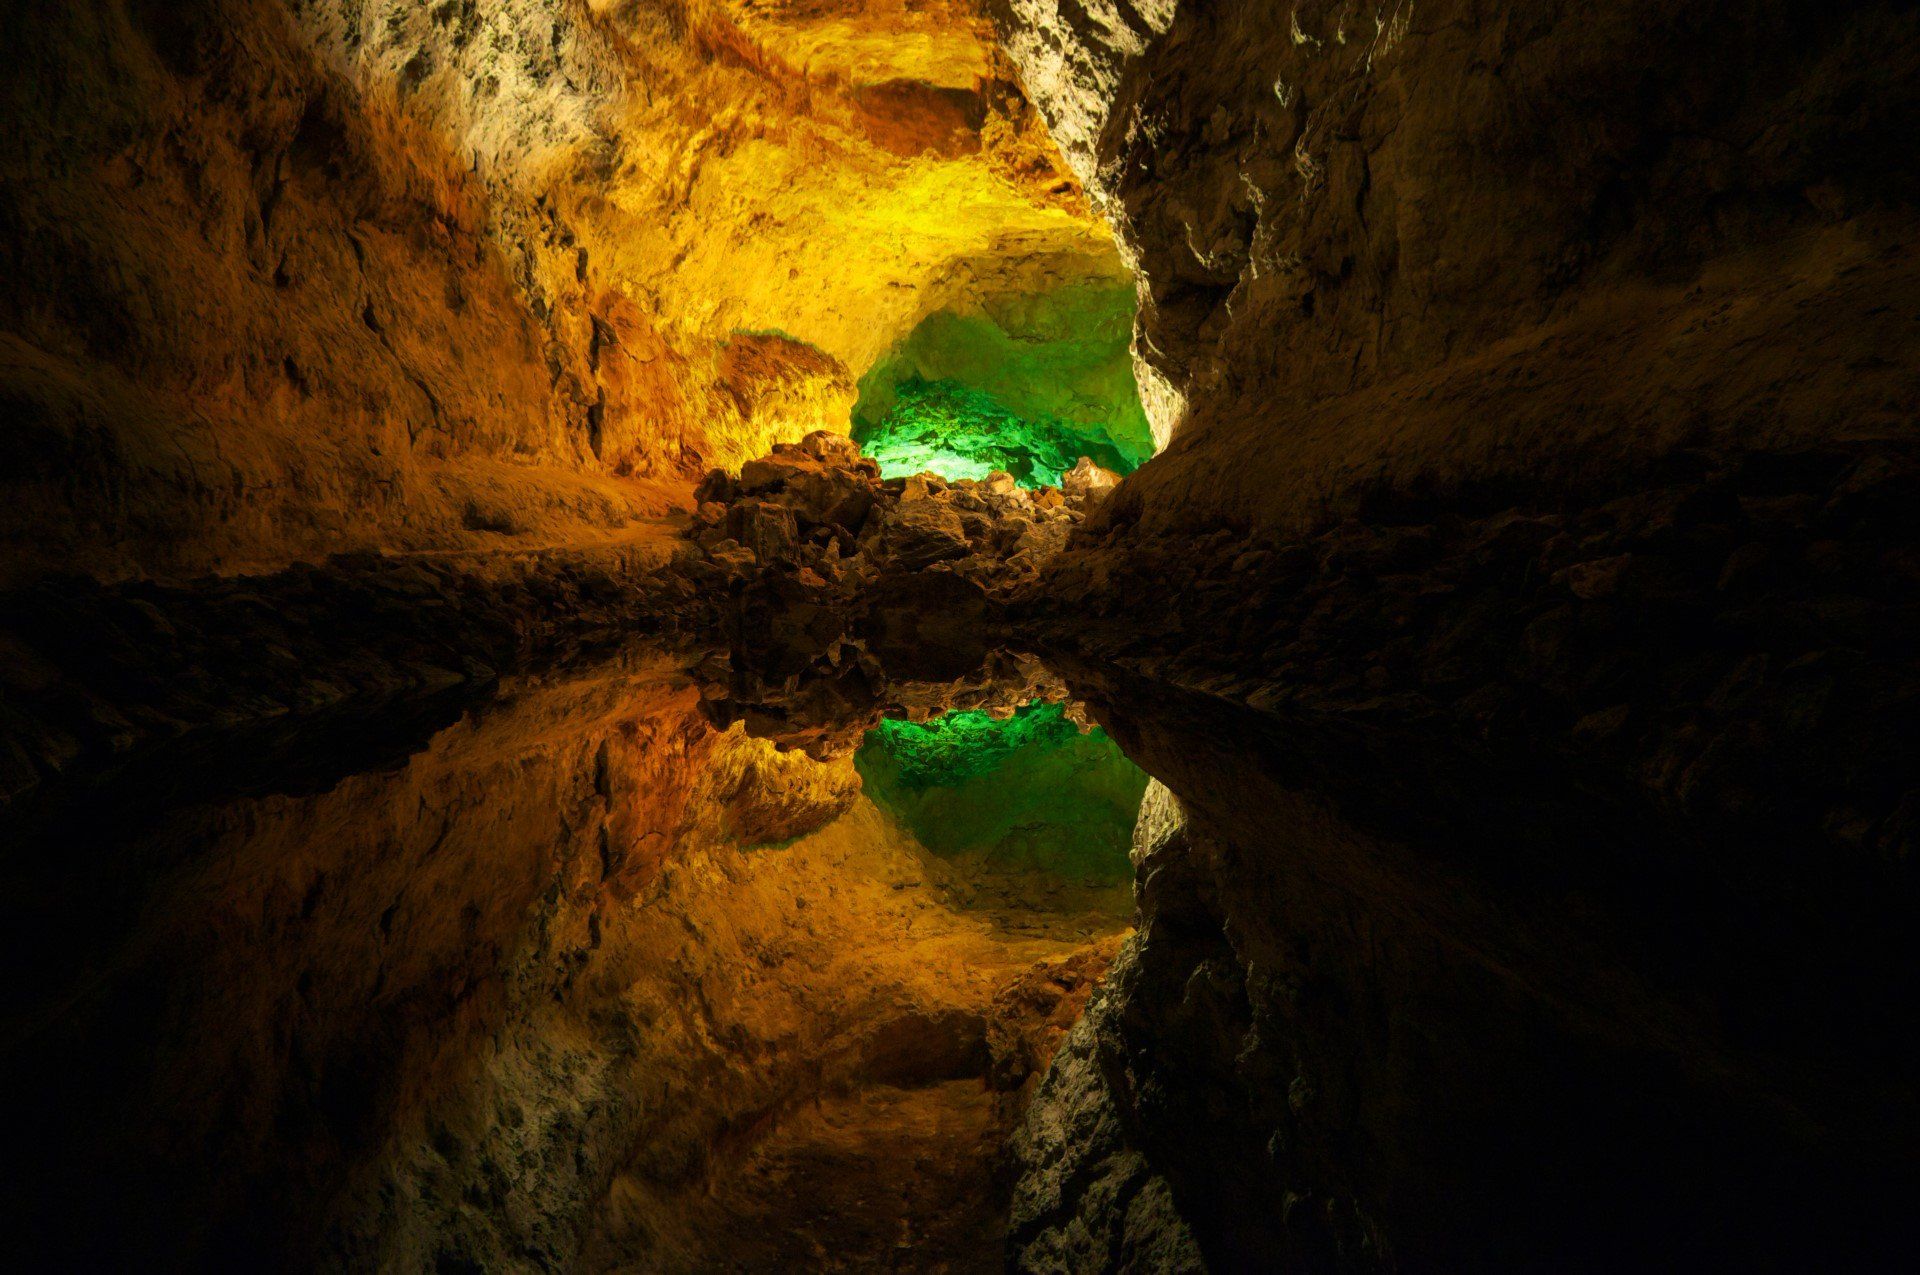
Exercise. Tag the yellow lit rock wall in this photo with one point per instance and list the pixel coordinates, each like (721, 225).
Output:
(298, 277)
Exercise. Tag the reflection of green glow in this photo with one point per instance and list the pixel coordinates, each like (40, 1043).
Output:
(943, 427)
(1030, 792)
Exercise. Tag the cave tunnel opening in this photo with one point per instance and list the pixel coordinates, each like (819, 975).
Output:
(503, 766)
(1027, 383)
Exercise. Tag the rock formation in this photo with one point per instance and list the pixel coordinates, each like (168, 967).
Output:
(1544, 384)
(1463, 451)
(813, 547)
(306, 277)
(1433, 246)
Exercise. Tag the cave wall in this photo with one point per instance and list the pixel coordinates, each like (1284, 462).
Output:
(297, 277)
(1424, 246)
(1550, 378)
(1546, 379)
(259, 314)
(343, 952)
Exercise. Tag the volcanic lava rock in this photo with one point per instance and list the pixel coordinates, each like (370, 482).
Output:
(1085, 1196)
(765, 529)
(813, 524)
(919, 533)
(1087, 482)
(1717, 644)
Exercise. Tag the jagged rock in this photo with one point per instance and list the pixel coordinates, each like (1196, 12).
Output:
(919, 487)
(847, 529)
(769, 473)
(834, 449)
(834, 498)
(1041, 541)
(919, 533)
(767, 530)
(732, 557)
(1087, 483)
(717, 487)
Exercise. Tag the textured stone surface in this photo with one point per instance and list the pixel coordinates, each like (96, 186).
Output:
(1086, 1198)
(1549, 376)
(1721, 645)
(98, 674)
(1056, 361)
(290, 279)
(818, 547)
(1518, 625)
(1424, 245)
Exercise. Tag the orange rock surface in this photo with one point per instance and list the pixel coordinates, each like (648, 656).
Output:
(339, 276)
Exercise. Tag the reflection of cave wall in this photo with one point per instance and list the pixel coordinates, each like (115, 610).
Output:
(339, 959)
(527, 995)
(1392, 1006)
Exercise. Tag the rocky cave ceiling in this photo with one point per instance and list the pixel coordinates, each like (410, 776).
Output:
(339, 273)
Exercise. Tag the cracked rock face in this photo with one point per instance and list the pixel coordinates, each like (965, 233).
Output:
(1428, 244)
(330, 276)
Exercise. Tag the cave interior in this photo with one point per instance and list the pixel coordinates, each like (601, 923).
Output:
(960, 635)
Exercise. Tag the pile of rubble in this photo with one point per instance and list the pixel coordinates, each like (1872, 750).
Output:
(819, 513)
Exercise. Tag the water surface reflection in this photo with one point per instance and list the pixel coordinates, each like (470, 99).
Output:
(594, 973)
(675, 965)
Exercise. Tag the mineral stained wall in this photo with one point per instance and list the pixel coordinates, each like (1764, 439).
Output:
(325, 275)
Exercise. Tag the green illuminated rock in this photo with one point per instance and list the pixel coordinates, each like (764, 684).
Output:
(1031, 792)
(1028, 384)
(945, 428)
